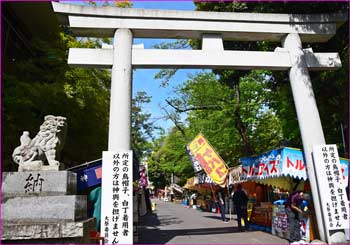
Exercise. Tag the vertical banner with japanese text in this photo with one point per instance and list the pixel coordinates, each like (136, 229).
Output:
(117, 197)
(195, 164)
(333, 195)
(210, 161)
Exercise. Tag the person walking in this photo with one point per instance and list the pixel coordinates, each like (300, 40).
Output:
(240, 201)
(221, 204)
(194, 200)
(295, 212)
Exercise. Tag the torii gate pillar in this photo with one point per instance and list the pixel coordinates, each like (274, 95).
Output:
(309, 124)
(121, 91)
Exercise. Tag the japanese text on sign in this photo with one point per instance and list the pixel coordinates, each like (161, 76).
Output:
(195, 164)
(33, 184)
(274, 163)
(333, 195)
(210, 161)
(117, 198)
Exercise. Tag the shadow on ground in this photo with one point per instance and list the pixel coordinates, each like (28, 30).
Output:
(150, 234)
(215, 217)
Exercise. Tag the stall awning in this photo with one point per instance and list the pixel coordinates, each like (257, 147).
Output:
(200, 182)
(286, 183)
(273, 164)
(283, 162)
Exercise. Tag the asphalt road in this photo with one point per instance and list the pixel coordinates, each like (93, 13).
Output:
(173, 224)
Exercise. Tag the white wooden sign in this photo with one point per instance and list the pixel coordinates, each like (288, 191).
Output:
(117, 197)
(330, 180)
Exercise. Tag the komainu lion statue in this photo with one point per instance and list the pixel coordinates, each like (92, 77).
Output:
(46, 145)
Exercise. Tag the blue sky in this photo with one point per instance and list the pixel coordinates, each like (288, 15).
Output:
(143, 79)
(177, 5)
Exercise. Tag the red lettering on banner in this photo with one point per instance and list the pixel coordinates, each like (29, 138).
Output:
(219, 172)
(300, 165)
(289, 162)
(200, 141)
(208, 152)
(273, 169)
(251, 170)
(343, 171)
(261, 168)
(212, 162)
(244, 170)
(204, 164)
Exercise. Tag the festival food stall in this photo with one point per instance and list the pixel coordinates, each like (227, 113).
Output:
(255, 193)
(204, 186)
(177, 192)
(284, 170)
(235, 177)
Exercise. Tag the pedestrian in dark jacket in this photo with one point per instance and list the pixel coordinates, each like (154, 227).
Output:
(240, 201)
(221, 204)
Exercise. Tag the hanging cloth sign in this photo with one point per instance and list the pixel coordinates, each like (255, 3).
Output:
(203, 178)
(275, 163)
(195, 164)
(293, 163)
(281, 162)
(210, 161)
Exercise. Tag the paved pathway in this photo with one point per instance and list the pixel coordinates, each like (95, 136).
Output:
(173, 224)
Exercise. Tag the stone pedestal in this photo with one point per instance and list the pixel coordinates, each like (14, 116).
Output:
(54, 232)
(42, 207)
(43, 183)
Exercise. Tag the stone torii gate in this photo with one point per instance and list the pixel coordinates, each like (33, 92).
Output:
(212, 28)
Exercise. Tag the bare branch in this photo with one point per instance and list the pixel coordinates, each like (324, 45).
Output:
(176, 122)
(194, 108)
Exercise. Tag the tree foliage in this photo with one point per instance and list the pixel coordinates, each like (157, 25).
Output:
(332, 99)
(248, 112)
(211, 107)
(143, 128)
(44, 84)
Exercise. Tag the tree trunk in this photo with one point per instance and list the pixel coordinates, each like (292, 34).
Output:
(239, 124)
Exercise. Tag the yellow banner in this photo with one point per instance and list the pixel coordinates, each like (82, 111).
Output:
(210, 161)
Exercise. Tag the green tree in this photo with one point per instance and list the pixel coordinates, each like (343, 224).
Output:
(249, 112)
(169, 157)
(142, 126)
(211, 109)
(332, 98)
(44, 84)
